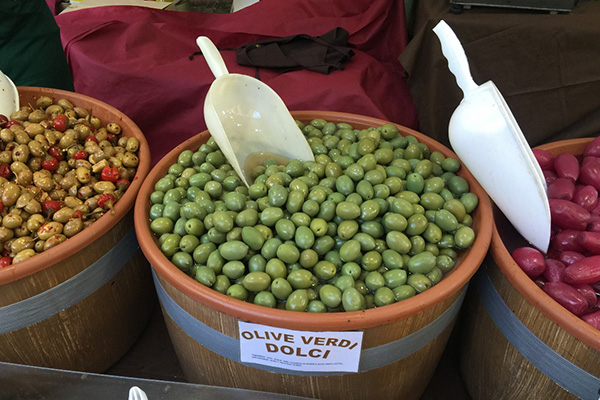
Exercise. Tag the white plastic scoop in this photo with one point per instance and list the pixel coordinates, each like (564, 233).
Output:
(247, 118)
(486, 137)
(9, 96)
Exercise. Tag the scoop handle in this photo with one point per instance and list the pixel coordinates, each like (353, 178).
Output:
(455, 54)
(9, 96)
(212, 56)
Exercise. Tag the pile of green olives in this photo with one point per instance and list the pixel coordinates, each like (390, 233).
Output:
(377, 218)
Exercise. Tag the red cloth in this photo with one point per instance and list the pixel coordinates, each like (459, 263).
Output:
(137, 60)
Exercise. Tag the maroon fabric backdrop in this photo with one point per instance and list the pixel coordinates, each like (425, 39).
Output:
(137, 59)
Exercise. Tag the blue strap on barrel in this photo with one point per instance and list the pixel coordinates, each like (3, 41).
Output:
(371, 358)
(564, 373)
(70, 292)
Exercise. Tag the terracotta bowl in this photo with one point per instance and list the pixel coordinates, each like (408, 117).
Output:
(205, 308)
(497, 365)
(81, 304)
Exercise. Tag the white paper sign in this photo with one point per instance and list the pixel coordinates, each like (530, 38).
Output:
(300, 350)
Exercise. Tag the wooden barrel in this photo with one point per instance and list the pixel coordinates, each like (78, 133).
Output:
(518, 343)
(83, 303)
(401, 344)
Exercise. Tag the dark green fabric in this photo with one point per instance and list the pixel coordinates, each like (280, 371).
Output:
(31, 52)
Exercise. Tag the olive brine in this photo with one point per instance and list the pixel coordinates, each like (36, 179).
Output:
(375, 219)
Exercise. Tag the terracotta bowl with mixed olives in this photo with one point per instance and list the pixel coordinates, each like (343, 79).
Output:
(70, 169)
(385, 220)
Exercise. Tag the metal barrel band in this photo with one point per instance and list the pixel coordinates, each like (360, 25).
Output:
(372, 358)
(70, 292)
(564, 373)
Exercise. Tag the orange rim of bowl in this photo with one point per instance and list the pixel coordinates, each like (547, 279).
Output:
(107, 221)
(453, 282)
(528, 288)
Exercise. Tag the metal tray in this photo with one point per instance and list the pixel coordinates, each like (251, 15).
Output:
(551, 6)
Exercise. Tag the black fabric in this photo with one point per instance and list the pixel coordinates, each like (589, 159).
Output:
(31, 52)
(322, 54)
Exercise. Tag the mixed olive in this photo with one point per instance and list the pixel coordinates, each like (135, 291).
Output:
(60, 170)
(375, 219)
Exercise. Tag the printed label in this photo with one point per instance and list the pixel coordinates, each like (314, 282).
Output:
(300, 350)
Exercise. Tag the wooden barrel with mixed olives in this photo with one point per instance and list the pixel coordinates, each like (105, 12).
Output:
(60, 170)
(375, 219)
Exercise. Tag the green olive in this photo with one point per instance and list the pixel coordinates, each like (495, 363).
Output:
(265, 299)
(206, 276)
(252, 237)
(188, 243)
(325, 270)
(350, 251)
(395, 277)
(234, 269)
(233, 250)
(353, 300)
(169, 246)
(348, 210)
(281, 288)
(215, 262)
(162, 225)
(398, 242)
(419, 282)
(464, 237)
(470, 201)
(269, 249)
(288, 253)
(404, 292)
(237, 291)
(330, 295)
(323, 245)
(203, 251)
(421, 263)
(367, 242)
(304, 237)
(384, 296)
(352, 269)
(392, 259)
(300, 279)
(316, 306)
(347, 229)
(256, 281)
(297, 300)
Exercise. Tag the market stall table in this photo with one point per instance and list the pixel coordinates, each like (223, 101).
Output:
(139, 61)
(545, 65)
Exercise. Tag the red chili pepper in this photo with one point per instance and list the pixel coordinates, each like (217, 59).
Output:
(80, 155)
(5, 261)
(106, 201)
(60, 123)
(110, 174)
(55, 152)
(49, 207)
(110, 137)
(50, 164)
(11, 123)
(122, 184)
(5, 171)
(92, 138)
(3, 121)
(1, 206)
